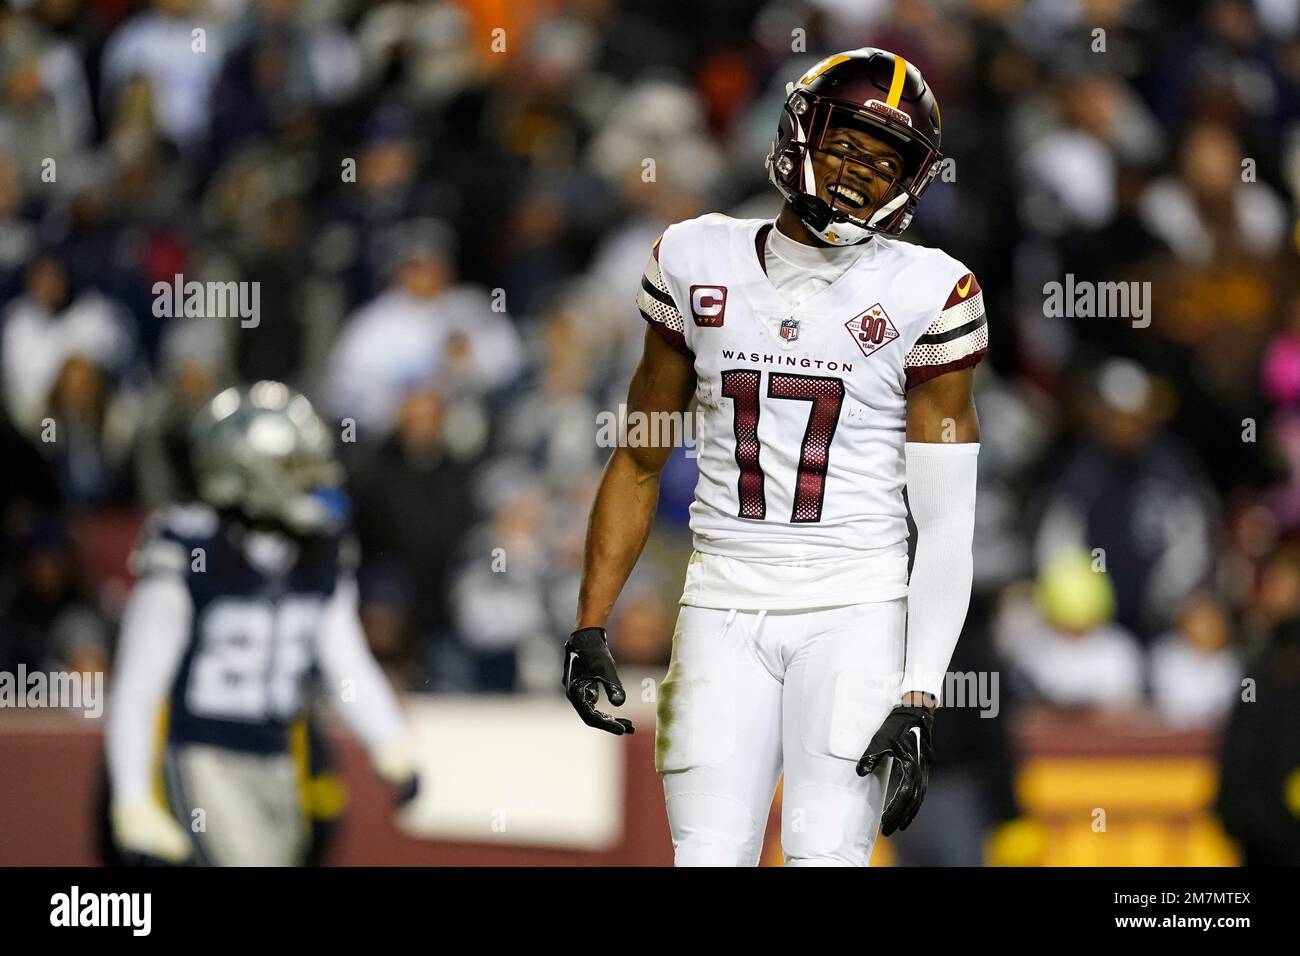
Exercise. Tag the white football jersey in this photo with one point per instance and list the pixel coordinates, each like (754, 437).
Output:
(801, 416)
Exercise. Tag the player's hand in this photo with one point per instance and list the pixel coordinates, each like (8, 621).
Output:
(588, 666)
(395, 763)
(905, 736)
(405, 792)
(146, 834)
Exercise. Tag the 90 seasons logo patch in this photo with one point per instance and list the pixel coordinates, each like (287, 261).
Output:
(871, 329)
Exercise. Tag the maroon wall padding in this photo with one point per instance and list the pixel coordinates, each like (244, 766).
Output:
(50, 767)
(49, 791)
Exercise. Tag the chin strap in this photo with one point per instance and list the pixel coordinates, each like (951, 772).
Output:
(839, 233)
(817, 215)
(812, 211)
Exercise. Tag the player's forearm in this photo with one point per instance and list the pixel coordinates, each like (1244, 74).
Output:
(620, 524)
(152, 640)
(941, 490)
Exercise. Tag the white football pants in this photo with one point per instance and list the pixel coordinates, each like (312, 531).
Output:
(251, 803)
(749, 693)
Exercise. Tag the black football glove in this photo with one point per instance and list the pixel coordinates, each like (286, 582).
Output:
(905, 736)
(588, 666)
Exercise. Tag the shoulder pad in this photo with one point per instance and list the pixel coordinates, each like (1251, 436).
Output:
(168, 538)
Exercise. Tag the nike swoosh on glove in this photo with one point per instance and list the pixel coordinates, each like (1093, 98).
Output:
(906, 736)
(588, 666)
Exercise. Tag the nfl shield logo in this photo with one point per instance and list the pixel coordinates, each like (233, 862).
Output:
(790, 329)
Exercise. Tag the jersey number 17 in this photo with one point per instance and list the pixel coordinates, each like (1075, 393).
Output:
(826, 396)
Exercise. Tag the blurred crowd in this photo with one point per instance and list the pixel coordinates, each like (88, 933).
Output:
(447, 205)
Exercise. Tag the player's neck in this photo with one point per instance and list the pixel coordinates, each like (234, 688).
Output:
(790, 225)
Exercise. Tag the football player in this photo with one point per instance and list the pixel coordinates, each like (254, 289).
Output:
(831, 364)
(238, 601)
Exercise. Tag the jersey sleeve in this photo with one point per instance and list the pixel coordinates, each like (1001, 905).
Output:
(957, 339)
(372, 714)
(657, 305)
(155, 627)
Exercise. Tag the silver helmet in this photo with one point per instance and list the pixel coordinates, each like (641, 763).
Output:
(262, 450)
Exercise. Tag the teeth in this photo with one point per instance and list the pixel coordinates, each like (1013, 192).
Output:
(849, 194)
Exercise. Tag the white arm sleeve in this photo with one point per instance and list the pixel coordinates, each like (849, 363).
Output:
(155, 629)
(941, 493)
(352, 677)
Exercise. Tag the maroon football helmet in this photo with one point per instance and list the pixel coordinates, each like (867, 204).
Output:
(879, 93)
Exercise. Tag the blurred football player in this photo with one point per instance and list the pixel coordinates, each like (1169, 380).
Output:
(831, 364)
(239, 601)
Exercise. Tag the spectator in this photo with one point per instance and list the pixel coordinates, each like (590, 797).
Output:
(91, 434)
(387, 191)
(177, 54)
(424, 45)
(194, 368)
(45, 110)
(1195, 672)
(1132, 495)
(18, 238)
(1260, 760)
(48, 623)
(1071, 655)
(1207, 211)
(501, 594)
(277, 68)
(414, 505)
(49, 326)
(27, 491)
(553, 421)
(423, 328)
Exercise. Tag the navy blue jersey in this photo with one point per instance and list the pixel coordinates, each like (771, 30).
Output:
(252, 643)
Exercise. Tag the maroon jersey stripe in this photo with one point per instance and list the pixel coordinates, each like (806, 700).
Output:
(671, 336)
(923, 373)
(969, 283)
